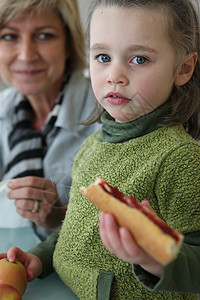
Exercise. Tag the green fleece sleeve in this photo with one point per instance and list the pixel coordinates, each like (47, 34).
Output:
(181, 275)
(45, 252)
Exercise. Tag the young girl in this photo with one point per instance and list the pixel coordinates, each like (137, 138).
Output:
(145, 73)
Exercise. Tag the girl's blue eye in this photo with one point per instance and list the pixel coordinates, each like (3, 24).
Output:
(103, 58)
(139, 60)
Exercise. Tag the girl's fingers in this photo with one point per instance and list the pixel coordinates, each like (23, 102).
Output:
(109, 232)
(119, 241)
(3, 255)
(34, 267)
(14, 254)
(134, 253)
(102, 231)
(127, 241)
(31, 262)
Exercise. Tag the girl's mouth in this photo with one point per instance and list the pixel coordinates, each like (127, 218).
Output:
(116, 98)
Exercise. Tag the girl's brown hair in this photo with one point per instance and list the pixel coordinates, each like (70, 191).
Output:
(182, 24)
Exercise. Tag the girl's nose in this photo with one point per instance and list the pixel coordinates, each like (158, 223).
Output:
(27, 50)
(117, 76)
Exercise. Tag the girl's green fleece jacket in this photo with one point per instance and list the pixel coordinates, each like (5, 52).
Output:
(148, 161)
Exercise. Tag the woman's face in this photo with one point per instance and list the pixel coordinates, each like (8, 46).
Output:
(33, 52)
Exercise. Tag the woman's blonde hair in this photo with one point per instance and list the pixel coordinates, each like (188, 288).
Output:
(181, 21)
(68, 11)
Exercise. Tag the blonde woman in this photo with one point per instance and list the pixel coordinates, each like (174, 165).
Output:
(42, 58)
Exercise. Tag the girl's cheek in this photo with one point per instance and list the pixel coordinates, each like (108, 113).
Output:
(96, 88)
(147, 91)
(97, 82)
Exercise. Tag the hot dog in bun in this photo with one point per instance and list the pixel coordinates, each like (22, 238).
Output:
(151, 233)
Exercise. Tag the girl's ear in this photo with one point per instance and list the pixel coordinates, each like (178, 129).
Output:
(186, 69)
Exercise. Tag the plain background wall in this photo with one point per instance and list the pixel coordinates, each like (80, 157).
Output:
(84, 7)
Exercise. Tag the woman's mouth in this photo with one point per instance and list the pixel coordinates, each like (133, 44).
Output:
(29, 73)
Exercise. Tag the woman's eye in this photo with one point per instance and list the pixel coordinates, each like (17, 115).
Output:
(103, 58)
(139, 60)
(45, 36)
(8, 37)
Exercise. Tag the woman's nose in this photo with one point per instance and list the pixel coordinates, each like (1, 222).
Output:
(117, 75)
(27, 50)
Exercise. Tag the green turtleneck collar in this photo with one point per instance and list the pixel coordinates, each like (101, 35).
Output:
(114, 132)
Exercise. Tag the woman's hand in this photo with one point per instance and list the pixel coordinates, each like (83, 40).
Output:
(31, 262)
(30, 191)
(120, 242)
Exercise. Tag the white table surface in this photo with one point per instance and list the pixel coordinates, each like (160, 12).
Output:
(50, 288)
